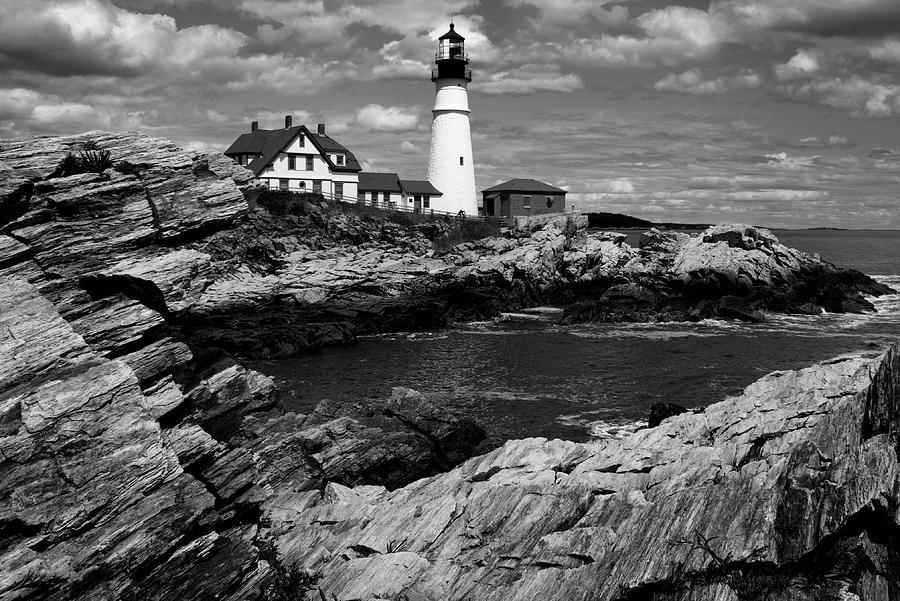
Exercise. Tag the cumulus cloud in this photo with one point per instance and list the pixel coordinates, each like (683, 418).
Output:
(36, 111)
(375, 117)
(407, 147)
(832, 141)
(803, 64)
(886, 50)
(839, 18)
(97, 37)
(672, 35)
(861, 97)
(576, 12)
(692, 81)
(529, 79)
(619, 186)
(784, 161)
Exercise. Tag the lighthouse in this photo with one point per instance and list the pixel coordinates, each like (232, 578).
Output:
(450, 166)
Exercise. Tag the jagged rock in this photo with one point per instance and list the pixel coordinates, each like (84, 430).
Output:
(387, 442)
(137, 461)
(660, 411)
(173, 233)
(100, 501)
(756, 497)
(655, 240)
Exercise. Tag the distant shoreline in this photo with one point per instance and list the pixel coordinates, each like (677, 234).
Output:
(619, 221)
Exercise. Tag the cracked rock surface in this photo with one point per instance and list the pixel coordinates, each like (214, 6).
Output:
(139, 461)
(788, 491)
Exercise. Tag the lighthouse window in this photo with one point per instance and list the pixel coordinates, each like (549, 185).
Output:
(460, 161)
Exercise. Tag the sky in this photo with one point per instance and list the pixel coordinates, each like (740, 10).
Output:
(781, 113)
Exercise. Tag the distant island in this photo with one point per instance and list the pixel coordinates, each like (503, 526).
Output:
(619, 221)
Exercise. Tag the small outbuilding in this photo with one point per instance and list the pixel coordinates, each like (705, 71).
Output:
(380, 189)
(419, 194)
(523, 197)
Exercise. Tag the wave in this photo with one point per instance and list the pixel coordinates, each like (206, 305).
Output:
(411, 336)
(600, 429)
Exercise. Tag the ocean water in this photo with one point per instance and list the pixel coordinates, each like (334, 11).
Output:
(522, 375)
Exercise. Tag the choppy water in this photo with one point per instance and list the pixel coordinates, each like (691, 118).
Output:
(522, 375)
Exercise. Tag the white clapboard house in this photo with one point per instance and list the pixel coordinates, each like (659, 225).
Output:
(297, 159)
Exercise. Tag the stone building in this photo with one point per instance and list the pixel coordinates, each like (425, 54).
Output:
(523, 197)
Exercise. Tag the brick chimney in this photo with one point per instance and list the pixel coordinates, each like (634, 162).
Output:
(321, 129)
(288, 121)
(254, 126)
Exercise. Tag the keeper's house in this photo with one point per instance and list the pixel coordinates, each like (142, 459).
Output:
(296, 159)
(522, 197)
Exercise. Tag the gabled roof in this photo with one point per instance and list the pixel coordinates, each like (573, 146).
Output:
(524, 185)
(269, 143)
(379, 182)
(420, 186)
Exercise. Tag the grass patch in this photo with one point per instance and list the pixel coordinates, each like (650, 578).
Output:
(90, 159)
(466, 230)
(284, 202)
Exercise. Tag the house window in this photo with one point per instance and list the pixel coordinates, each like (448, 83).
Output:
(426, 202)
(461, 161)
(374, 198)
(283, 184)
(317, 186)
(309, 163)
(549, 201)
(301, 141)
(526, 202)
(338, 188)
(339, 160)
(292, 162)
(387, 197)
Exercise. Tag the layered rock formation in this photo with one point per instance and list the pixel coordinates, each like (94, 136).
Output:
(168, 239)
(127, 449)
(788, 491)
(137, 460)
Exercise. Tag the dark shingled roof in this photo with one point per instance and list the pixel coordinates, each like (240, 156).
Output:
(379, 182)
(524, 185)
(269, 143)
(451, 35)
(420, 186)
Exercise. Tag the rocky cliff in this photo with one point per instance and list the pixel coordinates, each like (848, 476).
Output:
(137, 460)
(167, 239)
(128, 448)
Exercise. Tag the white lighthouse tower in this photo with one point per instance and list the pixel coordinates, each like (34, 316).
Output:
(450, 166)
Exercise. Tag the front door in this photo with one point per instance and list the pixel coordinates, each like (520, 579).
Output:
(317, 186)
(417, 203)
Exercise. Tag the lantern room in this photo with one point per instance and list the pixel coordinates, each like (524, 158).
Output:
(451, 57)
